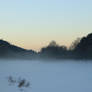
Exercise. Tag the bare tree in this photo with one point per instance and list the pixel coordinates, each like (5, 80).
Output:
(74, 44)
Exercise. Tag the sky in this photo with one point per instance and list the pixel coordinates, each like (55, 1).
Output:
(32, 24)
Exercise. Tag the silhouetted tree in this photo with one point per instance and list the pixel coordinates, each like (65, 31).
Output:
(53, 50)
(52, 44)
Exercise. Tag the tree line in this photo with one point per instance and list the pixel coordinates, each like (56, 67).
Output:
(81, 48)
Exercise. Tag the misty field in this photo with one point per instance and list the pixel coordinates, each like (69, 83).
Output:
(57, 76)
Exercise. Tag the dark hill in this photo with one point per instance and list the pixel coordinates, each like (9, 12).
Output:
(8, 50)
(84, 49)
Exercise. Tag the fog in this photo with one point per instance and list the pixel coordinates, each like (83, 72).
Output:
(57, 76)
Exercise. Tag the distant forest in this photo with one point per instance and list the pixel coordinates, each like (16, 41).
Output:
(81, 48)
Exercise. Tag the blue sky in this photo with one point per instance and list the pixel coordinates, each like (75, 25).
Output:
(32, 24)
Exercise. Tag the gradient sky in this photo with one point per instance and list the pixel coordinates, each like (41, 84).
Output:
(32, 24)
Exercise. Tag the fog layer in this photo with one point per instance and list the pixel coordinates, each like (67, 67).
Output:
(63, 76)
